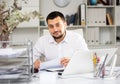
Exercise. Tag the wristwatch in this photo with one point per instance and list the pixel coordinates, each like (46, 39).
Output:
(61, 3)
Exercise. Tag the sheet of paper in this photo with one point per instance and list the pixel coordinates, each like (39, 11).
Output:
(14, 64)
(10, 53)
(11, 74)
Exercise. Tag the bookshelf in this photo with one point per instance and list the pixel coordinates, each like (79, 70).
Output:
(101, 21)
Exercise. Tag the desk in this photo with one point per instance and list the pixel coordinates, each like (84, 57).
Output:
(44, 77)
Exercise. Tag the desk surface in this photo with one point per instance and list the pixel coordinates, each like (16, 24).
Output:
(51, 78)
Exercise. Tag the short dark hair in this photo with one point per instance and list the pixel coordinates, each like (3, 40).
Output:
(55, 14)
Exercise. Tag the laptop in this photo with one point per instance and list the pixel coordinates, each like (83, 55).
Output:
(81, 62)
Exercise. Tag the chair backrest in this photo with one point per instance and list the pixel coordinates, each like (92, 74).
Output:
(79, 31)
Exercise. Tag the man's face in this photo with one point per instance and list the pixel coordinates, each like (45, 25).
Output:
(57, 27)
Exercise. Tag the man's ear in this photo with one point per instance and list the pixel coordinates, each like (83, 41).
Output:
(65, 23)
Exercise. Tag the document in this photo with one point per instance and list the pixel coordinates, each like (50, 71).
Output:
(12, 63)
(11, 73)
(10, 53)
(11, 58)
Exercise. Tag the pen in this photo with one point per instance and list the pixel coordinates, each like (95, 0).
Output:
(103, 67)
(95, 62)
(94, 59)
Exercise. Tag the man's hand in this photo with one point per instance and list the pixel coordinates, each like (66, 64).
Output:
(37, 64)
(64, 61)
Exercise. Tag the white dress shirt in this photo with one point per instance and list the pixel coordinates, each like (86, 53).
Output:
(53, 51)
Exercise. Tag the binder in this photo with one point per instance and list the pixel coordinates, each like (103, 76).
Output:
(117, 16)
(93, 36)
(109, 19)
(79, 15)
(83, 14)
(96, 36)
(90, 36)
(96, 17)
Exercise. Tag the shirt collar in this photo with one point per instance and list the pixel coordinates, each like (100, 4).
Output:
(51, 40)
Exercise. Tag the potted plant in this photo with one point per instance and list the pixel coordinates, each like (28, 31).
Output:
(11, 17)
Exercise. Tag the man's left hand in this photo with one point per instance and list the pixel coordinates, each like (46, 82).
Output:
(64, 61)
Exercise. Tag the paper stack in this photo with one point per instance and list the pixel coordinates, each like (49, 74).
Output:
(11, 61)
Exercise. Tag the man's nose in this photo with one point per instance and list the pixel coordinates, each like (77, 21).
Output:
(55, 28)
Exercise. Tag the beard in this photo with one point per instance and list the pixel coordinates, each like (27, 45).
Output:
(58, 36)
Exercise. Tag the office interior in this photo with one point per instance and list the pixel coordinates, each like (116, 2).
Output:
(100, 28)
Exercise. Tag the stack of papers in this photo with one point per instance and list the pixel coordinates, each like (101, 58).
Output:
(11, 73)
(9, 52)
(11, 61)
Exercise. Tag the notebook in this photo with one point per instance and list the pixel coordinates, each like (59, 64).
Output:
(81, 62)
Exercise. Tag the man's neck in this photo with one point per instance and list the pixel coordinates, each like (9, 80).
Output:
(59, 40)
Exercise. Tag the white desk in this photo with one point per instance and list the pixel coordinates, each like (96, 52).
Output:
(51, 78)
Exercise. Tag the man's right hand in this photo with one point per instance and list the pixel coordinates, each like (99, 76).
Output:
(37, 64)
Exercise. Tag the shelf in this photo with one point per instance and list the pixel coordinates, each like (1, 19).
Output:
(102, 46)
(72, 26)
(103, 26)
(35, 27)
(68, 27)
(101, 6)
(76, 26)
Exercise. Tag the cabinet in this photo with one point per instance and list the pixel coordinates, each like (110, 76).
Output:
(101, 23)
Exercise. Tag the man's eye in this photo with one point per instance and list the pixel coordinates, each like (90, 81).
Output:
(50, 26)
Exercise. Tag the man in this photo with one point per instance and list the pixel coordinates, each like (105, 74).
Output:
(59, 46)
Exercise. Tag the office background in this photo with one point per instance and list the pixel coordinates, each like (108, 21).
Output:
(98, 31)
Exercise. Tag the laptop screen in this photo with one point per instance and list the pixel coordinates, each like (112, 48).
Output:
(81, 62)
